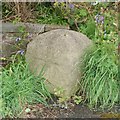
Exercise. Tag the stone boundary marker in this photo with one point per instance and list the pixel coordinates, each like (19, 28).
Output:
(29, 27)
(60, 52)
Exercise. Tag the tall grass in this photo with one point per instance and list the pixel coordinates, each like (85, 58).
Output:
(100, 79)
(19, 88)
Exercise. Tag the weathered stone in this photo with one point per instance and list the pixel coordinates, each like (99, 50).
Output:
(29, 27)
(60, 52)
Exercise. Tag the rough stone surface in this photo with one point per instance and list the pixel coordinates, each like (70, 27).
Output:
(60, 52)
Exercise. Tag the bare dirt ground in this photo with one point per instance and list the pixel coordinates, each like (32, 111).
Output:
(72, 111)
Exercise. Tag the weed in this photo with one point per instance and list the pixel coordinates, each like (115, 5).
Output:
(77, 99)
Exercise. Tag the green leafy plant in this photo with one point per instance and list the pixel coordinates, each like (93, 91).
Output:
(77, 99)
(16, 20)
(62, 99)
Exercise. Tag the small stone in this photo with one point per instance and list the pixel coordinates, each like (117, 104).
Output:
(27, 110)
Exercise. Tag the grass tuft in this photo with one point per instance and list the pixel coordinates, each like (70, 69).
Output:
(100, 79)
(19, 88)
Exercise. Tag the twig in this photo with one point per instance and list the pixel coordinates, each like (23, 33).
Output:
(9, 18)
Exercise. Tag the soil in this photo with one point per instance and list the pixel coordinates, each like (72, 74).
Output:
(72, 111)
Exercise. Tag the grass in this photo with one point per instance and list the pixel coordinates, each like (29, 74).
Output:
(19, 88)
(100, 81)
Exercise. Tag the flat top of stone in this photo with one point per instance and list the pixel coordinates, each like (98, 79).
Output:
(67, 36)
(63, 31)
